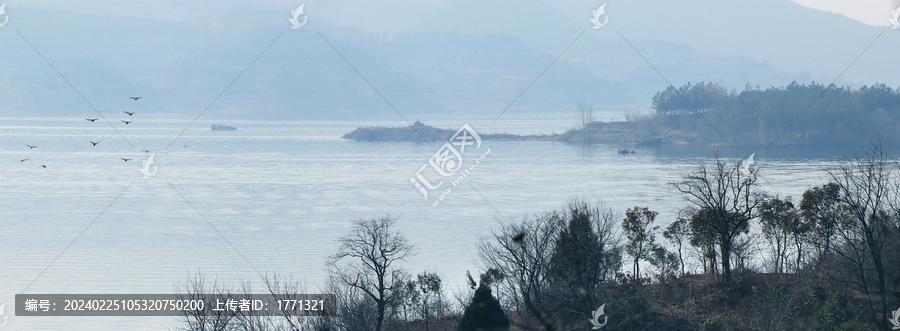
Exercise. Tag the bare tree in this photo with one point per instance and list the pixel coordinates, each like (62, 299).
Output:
(368, 259)
(523, 253)
(866, 190)
(210, 319)
(289, 288)
(250, 320)
(725, 193)
(555, 263)
(204, 320)
(743, 251)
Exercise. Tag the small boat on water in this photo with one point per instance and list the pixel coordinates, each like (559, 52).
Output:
(624, 151)
(221, 127)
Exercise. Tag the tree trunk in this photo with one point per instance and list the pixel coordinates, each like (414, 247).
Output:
(882, 291)
(425, 311)
(883, 294)
(380, 302)
(637, 269)
(725, 247)
(380, 318)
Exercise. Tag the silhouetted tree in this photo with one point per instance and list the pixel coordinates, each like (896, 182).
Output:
(205, 320)
(638, 226)
(555, 262)
(676, 233)
(367, 260)
(665, 262)
(429, 285)
(725, 193)
(210, 319)
(775, 215)
(484, 312)
(705, 239)
(866, 190)
(584, 256)
(523, 253)
(822, 209)
(404, 301)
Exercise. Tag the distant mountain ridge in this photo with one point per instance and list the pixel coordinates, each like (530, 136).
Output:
(466, 58)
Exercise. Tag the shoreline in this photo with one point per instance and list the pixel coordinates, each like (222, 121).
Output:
(628, 134)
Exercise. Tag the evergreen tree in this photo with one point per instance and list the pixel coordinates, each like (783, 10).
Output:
(584, 255)
(484, 312)
(575, 257)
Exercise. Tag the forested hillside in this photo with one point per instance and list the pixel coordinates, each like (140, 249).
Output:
(794, 114)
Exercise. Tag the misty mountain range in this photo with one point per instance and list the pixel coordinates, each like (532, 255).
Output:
(466, 57)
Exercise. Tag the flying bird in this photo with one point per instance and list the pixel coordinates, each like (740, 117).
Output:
(23, 160)
(129, 113)
(42, 166)
(91, 119)
(126, 122)
(94, 143)
(145, 150)
(29, 146)
(134, 98)
(124, 159)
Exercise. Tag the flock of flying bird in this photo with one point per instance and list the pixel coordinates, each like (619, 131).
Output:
(93, 143)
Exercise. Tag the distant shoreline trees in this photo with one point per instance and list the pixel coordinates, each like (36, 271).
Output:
(794, 114)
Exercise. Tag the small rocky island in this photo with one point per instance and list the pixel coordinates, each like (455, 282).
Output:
(597, 132)
(419, 132)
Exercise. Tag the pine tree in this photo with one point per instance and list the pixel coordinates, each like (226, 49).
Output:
(484, 312)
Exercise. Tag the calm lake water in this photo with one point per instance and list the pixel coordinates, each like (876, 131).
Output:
(282, 193)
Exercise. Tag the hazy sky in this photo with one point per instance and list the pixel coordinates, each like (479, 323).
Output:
(385, 14)
(871, 12)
